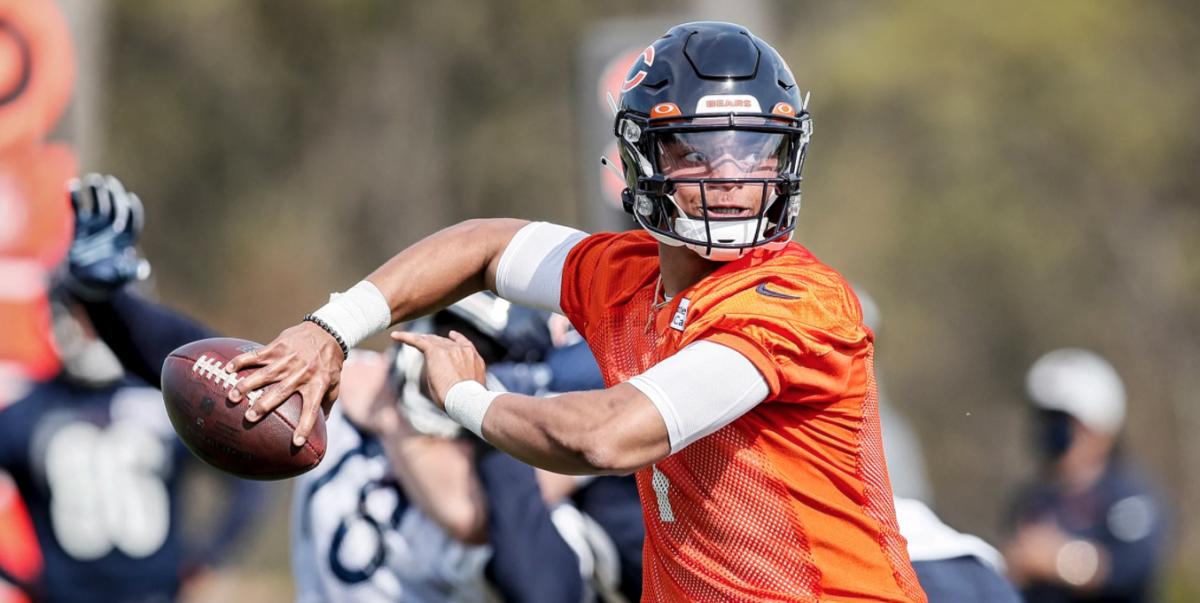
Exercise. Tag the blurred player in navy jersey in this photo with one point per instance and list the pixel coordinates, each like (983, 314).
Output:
(92, 451)
(408, 506)
(1091, 528)
(436, 517)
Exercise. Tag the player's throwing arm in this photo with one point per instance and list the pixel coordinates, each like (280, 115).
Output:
(432, 274)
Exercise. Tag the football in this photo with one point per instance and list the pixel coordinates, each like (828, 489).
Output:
(194, 387)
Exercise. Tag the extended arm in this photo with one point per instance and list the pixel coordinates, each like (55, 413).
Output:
(448, 266)
(140, 332)
(102, 261)
(429, 275)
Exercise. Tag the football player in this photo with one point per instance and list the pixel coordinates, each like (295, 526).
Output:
(739, 373)
(92, 451)
(1091, 527)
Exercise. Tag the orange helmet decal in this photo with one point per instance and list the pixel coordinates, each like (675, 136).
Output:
(665, 110)
(648, 61)
(783, 109)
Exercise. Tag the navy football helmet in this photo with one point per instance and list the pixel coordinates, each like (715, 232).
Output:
(503, 332)
(712, 131)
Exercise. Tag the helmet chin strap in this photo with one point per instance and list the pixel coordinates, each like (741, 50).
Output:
(739, 229)
(724, 232)
(742, 233)
(724, 254)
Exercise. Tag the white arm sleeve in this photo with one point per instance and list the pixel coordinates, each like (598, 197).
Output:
(531, 267)
(700, 389)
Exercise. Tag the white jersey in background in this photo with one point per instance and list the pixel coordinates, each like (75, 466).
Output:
(357, 538)
(931, 540)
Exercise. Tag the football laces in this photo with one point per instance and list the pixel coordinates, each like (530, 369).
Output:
(213, 369)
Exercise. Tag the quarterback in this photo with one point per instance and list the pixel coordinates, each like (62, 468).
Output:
(739, 372)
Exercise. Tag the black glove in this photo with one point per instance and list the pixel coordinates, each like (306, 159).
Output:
(108, 220)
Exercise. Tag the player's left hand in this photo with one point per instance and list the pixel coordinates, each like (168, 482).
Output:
(448, 360)
(108, 220)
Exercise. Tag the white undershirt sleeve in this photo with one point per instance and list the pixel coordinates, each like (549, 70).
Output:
(531, 268)
(700, 389)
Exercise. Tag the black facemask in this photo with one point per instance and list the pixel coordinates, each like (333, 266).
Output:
(1055, 433)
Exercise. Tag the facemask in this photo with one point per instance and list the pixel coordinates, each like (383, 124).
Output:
(85, 359)
(1055, 433)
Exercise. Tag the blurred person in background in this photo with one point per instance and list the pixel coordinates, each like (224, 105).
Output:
(1090, 528)
(92, 451)
(409, 506)
(952, 567)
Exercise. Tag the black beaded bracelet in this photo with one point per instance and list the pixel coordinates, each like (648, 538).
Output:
(328, 329)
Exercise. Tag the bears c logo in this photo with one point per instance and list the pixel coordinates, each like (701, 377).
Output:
(647, 61)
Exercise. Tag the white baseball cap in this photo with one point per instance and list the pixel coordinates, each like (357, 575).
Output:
(1080, 383)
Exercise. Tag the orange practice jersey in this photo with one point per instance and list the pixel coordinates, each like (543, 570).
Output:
(790, 502)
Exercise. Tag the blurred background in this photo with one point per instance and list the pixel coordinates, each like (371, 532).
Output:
(1004, 179)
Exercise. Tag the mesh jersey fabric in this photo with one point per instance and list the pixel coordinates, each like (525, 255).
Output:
(791, 501)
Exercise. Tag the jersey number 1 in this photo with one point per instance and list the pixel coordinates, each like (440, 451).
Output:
(661, 489)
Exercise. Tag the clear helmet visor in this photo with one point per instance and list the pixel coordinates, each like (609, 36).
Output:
(722, 154)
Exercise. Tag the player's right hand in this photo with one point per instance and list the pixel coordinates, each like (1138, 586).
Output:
(108, 220)
(448, 361)
(304, 359)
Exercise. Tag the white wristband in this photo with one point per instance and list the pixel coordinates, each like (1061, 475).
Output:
(357, 314)
(467, 402)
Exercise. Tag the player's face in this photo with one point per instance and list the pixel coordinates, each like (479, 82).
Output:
(722, 154)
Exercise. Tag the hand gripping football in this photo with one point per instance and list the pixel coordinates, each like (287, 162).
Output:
(195, 385)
